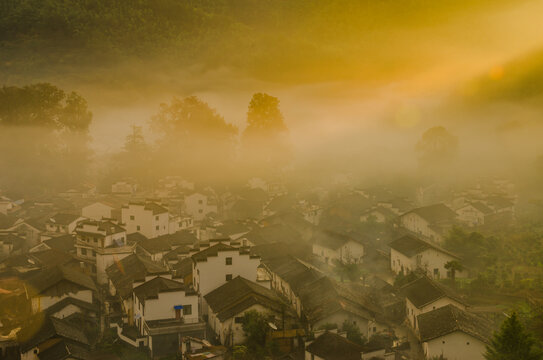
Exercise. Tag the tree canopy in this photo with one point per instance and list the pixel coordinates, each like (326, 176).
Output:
(512, 342)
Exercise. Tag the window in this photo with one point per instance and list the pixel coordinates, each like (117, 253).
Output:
(200, 211)
(436, 272)
(132, 217)
(467, 343)
(138, 228)
(157, 227)
(187, 309)
(228, 261)
(93, 253)
(228, 277)
(83, 251)
(200, 202)
(156, 218)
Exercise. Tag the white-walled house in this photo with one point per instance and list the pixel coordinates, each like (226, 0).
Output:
(62, 223)
(221, 263)
(199, 204)
(50, 286)
(164, 311)
(147, 218)
(288, 276)
(99, 244)
(454, 334)
(330, 246)
(122, 275)
(430, 222)
(326, 301)
(101, 210)
(424, 295)
(473, 214)
(409, 253)
(229, 302)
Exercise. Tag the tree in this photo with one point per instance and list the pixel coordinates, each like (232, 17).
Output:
(255, 326)
(43, 137)
(264, 141)
(353, 332)
(436, 147)
(453, 266)
(194, 138)
(512, 342)
(133, 161)
(349, 271)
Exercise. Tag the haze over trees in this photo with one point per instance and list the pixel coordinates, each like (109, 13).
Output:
(44, 137)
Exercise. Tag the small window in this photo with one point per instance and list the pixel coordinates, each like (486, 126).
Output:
(200, 211)
(157, 227)
(132, 217)
(228, 261)
(467, 343)
(138, 228)
(200, 202)
(443, 342)
(187, 309)
(83, 251)
(156, 218)
(228, 277)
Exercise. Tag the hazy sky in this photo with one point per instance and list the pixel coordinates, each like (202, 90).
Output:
(320, 115)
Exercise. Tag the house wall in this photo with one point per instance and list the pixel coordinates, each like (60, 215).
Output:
(162, 308)
(149, 225)
(198, 206)
(352, 252)
(413, 311)
(67, 311)
(209, 275)
(103, 261)
(431, 261)
(470, 215)
(97, 211)
(327, 255)
(228, 331)
(401, 263)
(455, 346)
(40, 303)
(418, 225)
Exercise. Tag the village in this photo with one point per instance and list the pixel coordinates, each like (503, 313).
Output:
(261, 270)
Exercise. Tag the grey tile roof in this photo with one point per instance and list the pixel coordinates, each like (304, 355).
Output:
(448, 319)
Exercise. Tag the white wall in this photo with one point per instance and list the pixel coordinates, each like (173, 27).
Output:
(40, 303)
(209, 275)
(151, 225)
(198, 206)
(413, 311)
(455, 347)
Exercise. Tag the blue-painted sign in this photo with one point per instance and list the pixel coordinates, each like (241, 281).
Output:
(178, 307)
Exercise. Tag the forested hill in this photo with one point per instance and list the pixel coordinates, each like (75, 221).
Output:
(302, 38)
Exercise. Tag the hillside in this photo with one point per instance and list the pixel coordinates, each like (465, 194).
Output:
(300, 39)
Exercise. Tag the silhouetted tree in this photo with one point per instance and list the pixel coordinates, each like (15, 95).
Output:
(264, 142)
(453, 266)
(44, 137)
(194, 138)
(437, 147)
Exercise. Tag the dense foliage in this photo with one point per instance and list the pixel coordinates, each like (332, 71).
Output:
(512, 342)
